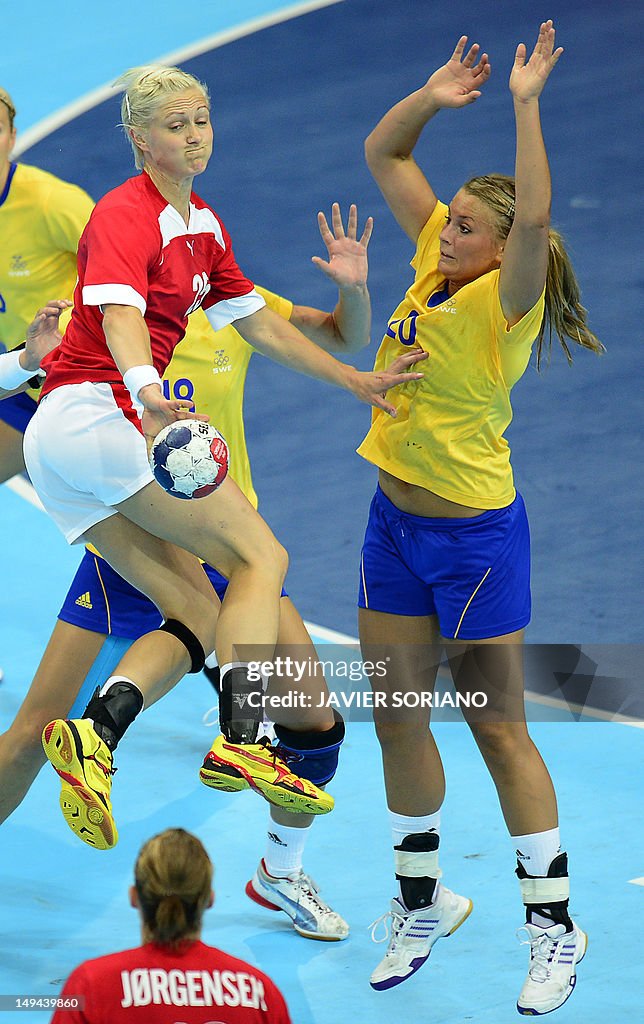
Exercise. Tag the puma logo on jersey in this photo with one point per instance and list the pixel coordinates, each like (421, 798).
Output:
(85, 601)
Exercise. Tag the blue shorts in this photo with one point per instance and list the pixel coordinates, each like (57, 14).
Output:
(17, 411)
(474, 574)
(103, 602)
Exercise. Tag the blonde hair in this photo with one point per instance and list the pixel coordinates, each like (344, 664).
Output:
(144, 88)
(564, 314)
(6, 100)
(173, 880)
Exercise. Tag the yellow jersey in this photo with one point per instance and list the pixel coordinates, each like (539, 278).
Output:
(209, 369)
(448, 435)
(41, 221)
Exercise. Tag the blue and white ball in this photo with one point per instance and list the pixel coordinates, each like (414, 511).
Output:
(189, 459)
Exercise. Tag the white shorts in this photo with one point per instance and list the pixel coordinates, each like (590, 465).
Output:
(84, 456)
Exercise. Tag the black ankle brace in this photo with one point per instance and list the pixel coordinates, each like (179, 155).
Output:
(418, 891)
(113, 713)
(240, 706)
(558, 911)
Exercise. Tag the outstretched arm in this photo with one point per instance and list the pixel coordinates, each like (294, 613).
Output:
(525, 257)
(347, 328)
(17, 367)
(389, 148)
(278, 339)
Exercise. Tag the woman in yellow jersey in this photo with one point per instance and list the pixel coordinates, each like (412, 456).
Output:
(209, 369)
(41, 221)
(445, 562)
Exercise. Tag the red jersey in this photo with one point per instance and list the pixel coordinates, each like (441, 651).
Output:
(136, 250)
(154, 985)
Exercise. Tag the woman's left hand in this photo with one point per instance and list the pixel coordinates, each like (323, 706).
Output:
(347, 264)
(43, 334)
(527, 80)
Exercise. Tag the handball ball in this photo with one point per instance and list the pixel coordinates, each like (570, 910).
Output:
(189, 459)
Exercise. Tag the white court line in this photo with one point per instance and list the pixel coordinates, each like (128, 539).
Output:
(91, 99)
(20, 486)
(636, 881)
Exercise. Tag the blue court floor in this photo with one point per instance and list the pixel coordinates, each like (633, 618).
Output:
(63, 902)
(296, 87)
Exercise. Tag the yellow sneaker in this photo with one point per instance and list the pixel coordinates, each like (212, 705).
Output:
(84, 764)
(231, 767)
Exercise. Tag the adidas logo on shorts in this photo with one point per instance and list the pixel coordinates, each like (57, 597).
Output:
(85, 601)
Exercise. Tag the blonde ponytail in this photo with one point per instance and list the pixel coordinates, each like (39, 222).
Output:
(565, 315)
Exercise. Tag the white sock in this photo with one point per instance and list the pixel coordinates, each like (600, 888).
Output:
(284, 849)
(405, 825)
(536, 852)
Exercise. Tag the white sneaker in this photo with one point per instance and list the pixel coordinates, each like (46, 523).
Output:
(413, 933)
(297, 896)
(554, 953)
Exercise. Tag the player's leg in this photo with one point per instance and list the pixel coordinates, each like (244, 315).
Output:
(97, 603)
(309, 738)
(81, 750)
(423, 910)
(225, 530)
(527, 797)
(495, 605)
(14, 415)
(399, 631)
(67, 659)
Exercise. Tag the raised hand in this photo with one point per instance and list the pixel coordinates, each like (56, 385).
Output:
(528, 79)
(347, 264)
(459, 82)
(372, 387)
(43, 334)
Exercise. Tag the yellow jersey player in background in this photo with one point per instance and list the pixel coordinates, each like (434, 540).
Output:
(41, 221)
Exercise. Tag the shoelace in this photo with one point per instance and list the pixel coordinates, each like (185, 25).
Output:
(309, 888)
(542, 951)
(397, 924)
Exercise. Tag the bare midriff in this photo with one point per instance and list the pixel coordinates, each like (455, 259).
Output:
(418, 501)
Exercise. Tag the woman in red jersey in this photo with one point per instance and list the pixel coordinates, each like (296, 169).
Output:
(173, 975)
(152, 252)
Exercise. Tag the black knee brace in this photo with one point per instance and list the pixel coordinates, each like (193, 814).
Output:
(240, 706)
(191, 643)
(314, 755)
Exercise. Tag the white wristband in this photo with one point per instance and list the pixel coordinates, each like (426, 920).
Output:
(12, 374)
(138, 377)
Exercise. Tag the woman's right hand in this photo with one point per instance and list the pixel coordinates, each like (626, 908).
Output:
(459, 82)
(372, 387)
(159, 412)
